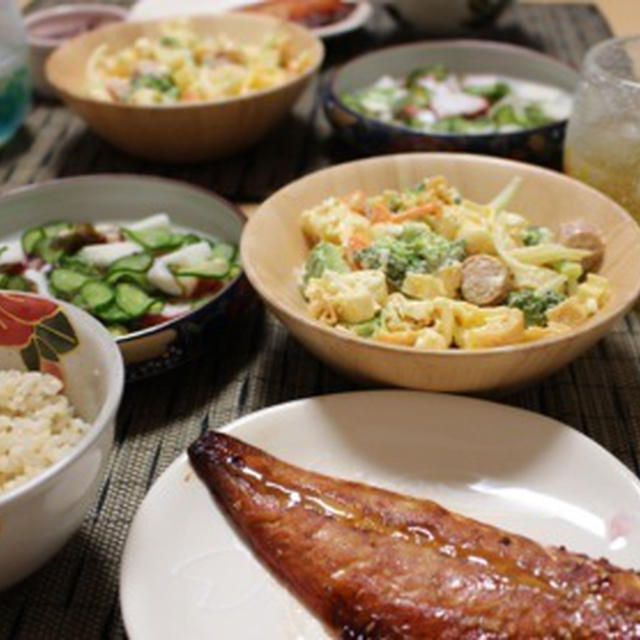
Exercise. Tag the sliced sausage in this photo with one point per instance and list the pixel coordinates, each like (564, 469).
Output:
(485, 280)
(580, 234)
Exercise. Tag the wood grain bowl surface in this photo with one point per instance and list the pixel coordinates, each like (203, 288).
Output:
(184, 132)
(273, 247)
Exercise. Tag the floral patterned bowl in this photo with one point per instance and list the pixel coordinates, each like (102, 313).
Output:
(116, 198)
(542, 145)
(39, 516)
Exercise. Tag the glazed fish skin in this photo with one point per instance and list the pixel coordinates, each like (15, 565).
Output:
(378, 565)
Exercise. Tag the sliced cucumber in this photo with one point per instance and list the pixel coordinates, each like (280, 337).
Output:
(153, 239)
(189, 238)
(217, 268)
(45, 248)
(223, 250)
(53, 229)
(139, 279)
(18, 283)
(79, 301)
(138, 263)
(76, 263)
(156, 307)
(97, 294)
(67, 281)
(30, 239)
(132, 300)
(117, 330)
(112, 314)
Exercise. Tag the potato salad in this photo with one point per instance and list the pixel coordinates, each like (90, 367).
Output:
(180, 66)
(426, 268)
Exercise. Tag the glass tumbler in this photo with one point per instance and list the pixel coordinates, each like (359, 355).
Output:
(15, 89)
(602, 145)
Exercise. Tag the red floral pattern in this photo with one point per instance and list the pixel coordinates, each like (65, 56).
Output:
(19, 316)
(39, 327)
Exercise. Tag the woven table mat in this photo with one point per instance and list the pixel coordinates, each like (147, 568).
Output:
(257, 364)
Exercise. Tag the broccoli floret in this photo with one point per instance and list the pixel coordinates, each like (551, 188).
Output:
(324, 256)
(415, 250)
(534, 235)
(535, 305)
(366, 329)
(573, 271)
(163, 83)
(394, 258)
(169, 41)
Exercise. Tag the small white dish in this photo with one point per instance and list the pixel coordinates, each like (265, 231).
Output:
(187, 574)
(158, 9)
(48, 28)
(354, 21)
(40, 515)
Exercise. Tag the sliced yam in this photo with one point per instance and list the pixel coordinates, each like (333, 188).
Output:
(155, 221)
(102, 255)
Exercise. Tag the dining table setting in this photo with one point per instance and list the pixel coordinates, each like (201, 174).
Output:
(339, 315)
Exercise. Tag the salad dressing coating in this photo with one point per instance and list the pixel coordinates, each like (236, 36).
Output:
(423, 267)
(180, 66)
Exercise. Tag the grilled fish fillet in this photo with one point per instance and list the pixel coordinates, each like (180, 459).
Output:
(373, 564)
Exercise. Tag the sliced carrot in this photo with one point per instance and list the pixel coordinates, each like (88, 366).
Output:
(356, 200)
(422, 211)
(379, 213)
(356, 243)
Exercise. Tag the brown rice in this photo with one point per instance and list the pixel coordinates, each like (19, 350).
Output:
(38, 425)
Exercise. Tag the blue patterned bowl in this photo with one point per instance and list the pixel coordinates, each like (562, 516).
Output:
(122, 197)
(542, 145)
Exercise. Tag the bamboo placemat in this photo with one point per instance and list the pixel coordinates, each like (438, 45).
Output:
(258, 364)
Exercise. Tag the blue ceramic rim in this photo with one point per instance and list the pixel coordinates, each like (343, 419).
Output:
(331, 94)
(227, 205)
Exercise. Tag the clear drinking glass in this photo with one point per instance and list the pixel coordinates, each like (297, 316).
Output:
(15, 89)
(602, 145)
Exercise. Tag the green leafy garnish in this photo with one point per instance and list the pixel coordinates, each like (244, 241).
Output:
(535, 235)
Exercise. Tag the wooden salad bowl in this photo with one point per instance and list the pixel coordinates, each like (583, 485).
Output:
(273, 249)
(189, 132)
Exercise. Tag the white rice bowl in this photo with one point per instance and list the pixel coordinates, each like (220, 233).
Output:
(38, 425)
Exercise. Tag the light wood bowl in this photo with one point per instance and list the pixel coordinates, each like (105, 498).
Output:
(185, 132)
(273, 247)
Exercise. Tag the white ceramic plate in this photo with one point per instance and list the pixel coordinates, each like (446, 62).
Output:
(157, 9)
(186, 574)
